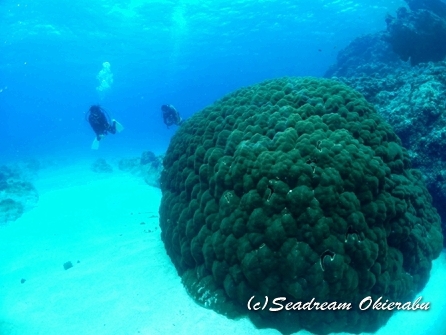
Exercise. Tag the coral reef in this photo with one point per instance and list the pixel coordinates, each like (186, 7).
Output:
(101, 166)
(148, 157)
(296, 188)
(413, 102)
(10, 210)
(435, 6)
(411, 98)
(368, 55)
(417, 36)
(129, 164)
(17, 195)
(148, 166)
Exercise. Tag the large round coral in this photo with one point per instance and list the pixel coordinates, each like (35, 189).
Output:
(296, 188)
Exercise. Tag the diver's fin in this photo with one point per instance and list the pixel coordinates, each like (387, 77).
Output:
(95, 144)
(119, 126)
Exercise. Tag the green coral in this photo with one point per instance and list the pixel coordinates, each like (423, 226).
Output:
(295, 187)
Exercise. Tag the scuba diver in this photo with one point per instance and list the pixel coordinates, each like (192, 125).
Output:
(100, 122)
(171, 116)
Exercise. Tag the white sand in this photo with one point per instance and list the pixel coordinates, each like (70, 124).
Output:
(122, 281)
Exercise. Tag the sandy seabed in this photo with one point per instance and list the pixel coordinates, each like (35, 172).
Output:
(122, 281)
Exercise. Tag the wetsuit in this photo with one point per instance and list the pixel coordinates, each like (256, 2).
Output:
(99, 122)
(171, 115)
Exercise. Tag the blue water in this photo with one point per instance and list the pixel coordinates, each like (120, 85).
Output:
(185, 53)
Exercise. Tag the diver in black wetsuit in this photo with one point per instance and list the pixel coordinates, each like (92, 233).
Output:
(171, 116)
(100, 122)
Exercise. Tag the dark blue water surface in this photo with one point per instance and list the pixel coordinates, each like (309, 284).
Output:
(187, 53)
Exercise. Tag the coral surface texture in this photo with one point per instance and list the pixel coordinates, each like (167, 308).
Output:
(296, 188)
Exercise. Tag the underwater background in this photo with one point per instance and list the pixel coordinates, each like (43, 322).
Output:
(185, 53)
